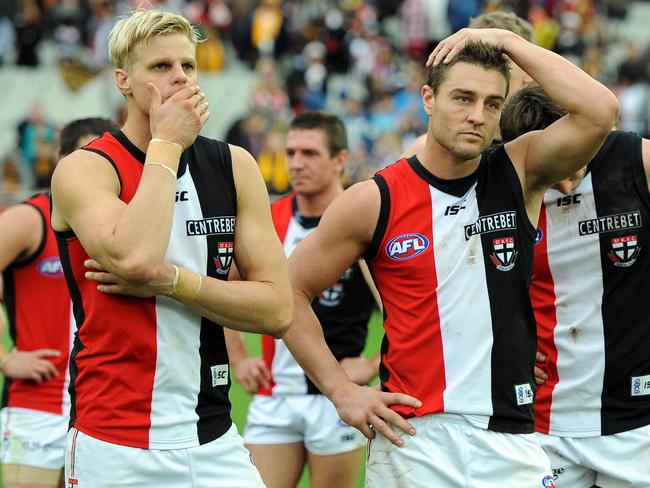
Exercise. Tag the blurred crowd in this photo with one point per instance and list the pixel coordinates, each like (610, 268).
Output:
(361, 59)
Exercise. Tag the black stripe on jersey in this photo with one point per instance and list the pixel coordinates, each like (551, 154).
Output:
(9, 298)
(110, 160)
(129, 146)
(513, 323)
(141, 156)
(303, 221)
(620, 186)
(210, 165)
(79, 317)
(382, 220)
(457, 187)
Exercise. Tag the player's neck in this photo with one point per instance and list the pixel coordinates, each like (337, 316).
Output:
(314, 205)
(136, 129)
(440, 162)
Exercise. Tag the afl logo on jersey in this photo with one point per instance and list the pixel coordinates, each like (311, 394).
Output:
(406, 246)
(51, 267)
(539, 235)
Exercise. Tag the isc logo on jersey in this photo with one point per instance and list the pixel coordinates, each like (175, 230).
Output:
(406, 246)
(51, 267)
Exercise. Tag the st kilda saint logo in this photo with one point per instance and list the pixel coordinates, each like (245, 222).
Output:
(225, 251)
(505, 254)
(624, 250)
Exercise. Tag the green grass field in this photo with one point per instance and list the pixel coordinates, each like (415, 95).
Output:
(240, 399)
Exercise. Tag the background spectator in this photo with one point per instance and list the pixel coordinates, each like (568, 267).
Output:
(264, 61)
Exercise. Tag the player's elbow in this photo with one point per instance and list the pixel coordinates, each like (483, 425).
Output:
(135, 270)
(282, 318)
(609, 109)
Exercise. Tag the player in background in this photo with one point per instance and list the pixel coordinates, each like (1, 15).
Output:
(589, 293)
(448, 235)
(148, 221)
(290, 423)
(35, 400)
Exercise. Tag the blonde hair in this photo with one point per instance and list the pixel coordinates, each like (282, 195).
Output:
(139, 28)
(504, 20)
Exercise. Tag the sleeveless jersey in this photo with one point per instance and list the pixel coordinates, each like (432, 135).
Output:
(343, 310)
(152, 373)
(39, 311)
(590, 295)
(452, 261)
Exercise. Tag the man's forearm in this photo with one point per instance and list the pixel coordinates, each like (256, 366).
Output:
(141, 234)
(247, 306)
(306, 342)
(569, 86)
(235, 345)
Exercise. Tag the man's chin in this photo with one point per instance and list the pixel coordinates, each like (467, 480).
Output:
(467, 154)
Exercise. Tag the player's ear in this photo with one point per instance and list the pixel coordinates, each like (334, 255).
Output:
(122, 81)
(428, 97)
(341, 160)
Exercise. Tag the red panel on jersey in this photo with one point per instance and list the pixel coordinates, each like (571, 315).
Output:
(407, 282)
(542, 293)
(114, 369)
(41, 319)
(281, 213)
(268, 351)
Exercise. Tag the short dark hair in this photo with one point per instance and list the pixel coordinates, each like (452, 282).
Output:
(73, 131)
(328, 123)
(528, 109)
(503, 20)
(478, 53)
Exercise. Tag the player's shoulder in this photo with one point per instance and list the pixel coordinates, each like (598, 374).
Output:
(357, 207)
(82, 161)
(21, 214)
(83, 170)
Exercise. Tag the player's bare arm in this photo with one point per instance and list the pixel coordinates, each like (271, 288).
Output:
(342, 236)
(544, 157)
(21, 228)
(128, 240)
(359, 369)
(250, 372)
(261, 302)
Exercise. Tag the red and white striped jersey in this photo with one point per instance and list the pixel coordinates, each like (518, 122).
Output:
(152, 373)
(452, 261)
(590, 296)
(343, 310)
(39, 311)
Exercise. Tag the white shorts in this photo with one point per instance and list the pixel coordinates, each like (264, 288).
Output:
(449, 452)
(310, 419)
(609, 461)
(33, 438)
(222, 463)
